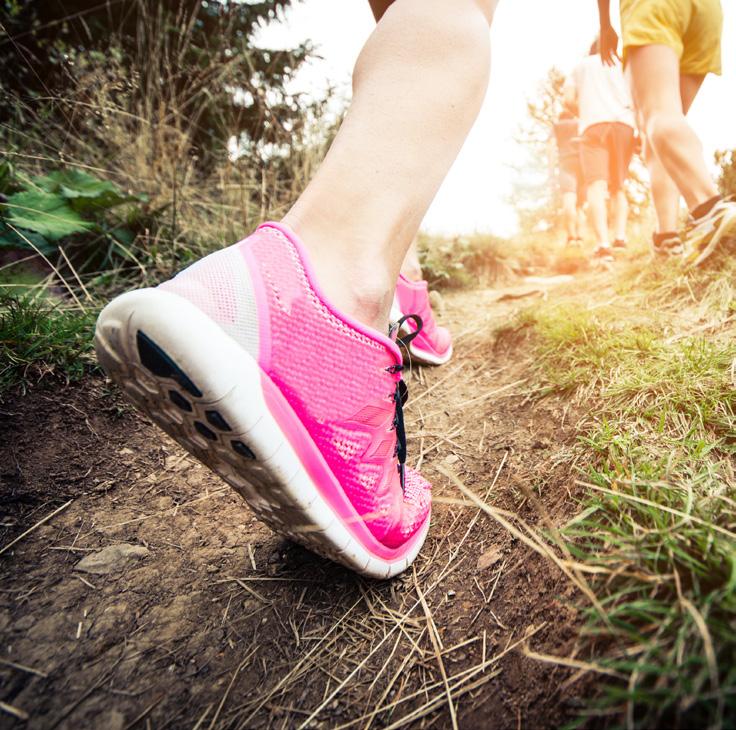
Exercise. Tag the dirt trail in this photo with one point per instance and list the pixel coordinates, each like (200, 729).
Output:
(222, 624)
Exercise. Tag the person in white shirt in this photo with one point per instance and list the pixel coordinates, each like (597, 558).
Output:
(564, 155)
(607, 127)
(669, 47)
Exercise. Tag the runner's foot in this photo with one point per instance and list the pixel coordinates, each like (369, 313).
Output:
(704, 234)
(433, 344)
(667, 244)
(603, 254)
(244, 362)
(619, 244)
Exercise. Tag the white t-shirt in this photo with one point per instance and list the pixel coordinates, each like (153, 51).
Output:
(602, 93)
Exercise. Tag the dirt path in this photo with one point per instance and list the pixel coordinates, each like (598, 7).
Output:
(219, 623)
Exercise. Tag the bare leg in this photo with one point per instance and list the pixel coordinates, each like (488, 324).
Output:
(665, 194)
(417, 88)
(410, 267)
(620, 215)
(656, 87)
(570, 213)
(581, 222)
(597, 211)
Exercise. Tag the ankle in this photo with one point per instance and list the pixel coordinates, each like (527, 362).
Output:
(412, 270)
(366, 300)
(355, 280)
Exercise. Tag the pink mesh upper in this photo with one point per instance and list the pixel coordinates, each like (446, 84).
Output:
(335, 378)
(413, 298)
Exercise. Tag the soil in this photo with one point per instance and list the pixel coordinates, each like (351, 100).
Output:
(223, 624)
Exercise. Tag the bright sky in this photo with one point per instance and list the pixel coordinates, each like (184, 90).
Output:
(528, 37)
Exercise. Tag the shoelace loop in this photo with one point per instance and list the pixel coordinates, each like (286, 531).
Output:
(401, 394)
(406, 339)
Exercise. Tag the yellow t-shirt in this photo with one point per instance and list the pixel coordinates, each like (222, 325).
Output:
(692, 28)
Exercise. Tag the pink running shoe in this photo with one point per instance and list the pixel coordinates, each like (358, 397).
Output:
(433, 344)
(246, 364)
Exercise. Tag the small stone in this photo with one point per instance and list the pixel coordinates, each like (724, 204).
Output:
(489, 558)
(112, 720)
(451, 593)
(111, 559)
(451, 459)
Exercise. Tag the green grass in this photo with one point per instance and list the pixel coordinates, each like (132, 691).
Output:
(39, 339)
(653, 371)
(463, 261)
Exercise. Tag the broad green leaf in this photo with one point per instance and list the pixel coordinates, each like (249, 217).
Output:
(10, 239)
(83, 191)
(123, 235)
(45, 213)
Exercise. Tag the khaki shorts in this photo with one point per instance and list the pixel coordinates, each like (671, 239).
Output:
(605, 154)
(692, 28)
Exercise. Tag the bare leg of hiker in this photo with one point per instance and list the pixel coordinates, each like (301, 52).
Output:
(620, 215)
(665, 195)
(662, 98)
(597, 210)
(410, 267)
(418, 86)
(570, 213)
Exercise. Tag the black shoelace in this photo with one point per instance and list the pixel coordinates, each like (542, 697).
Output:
(400, 397)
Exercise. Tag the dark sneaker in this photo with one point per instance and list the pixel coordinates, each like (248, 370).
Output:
(667, 245)
(603, 254)
(703, 235)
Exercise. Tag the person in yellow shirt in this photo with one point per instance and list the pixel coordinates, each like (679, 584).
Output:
(669, 46)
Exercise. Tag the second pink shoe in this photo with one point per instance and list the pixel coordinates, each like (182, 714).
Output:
(432, 345)
(245, 362)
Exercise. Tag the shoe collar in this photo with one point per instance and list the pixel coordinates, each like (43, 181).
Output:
(364, 329)
(421, 284)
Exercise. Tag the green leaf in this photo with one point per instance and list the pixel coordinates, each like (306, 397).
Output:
(45, 213)
(6, 177)
(123, 235)
(10, 239)
(83, 191)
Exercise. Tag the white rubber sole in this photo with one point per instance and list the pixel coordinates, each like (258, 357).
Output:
(161, 349)
(427, 358)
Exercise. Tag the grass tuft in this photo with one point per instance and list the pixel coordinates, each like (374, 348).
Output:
(39, 339)
(654, 369)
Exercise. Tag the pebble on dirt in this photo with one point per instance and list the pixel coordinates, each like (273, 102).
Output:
(111, 559)
(489, 558)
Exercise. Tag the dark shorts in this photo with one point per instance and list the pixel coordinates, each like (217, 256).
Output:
(571, 178)
(605, 153)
